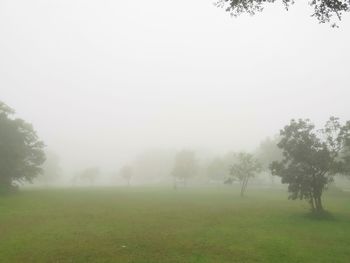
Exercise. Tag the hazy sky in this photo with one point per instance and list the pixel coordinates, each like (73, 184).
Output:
(103, 80)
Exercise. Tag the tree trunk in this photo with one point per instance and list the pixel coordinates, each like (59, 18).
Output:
(312, 204)
(316, 194)
(244, 186)
(317, 201)
(319, 207)
(175, 184)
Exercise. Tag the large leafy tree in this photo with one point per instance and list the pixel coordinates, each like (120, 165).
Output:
(246, 167)
(323, 10)
(21, 151)
(311, 158)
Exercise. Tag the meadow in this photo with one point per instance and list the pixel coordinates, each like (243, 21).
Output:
(159, 224)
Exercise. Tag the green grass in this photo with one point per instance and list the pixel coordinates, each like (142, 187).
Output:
(162, 225)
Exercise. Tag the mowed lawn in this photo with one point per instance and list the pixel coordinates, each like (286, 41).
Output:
(145, 224)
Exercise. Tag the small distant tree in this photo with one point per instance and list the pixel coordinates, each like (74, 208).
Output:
(88, 175)
(185, 167)
(311, 158)
(217, 169)
(229, 159)
(153, 165)
(51, 168)
(245, 168)
(268, 152)
(126, 173)
(21, 151)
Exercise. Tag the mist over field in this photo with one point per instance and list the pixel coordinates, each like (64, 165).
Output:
(174, 131)
(103, 82)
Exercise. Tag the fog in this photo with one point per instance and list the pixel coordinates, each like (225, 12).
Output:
(105, 82)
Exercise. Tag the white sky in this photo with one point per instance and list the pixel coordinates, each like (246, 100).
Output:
(103, 80)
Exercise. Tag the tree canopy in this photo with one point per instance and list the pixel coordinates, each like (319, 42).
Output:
(268, 151)
(21, 151)
(245, 168)
(185, 166)
(217, 169)
(311, 158)
(323, 10)
(89, 174)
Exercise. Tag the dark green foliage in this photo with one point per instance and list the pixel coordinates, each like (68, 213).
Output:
(324, 10)
(311, 158)
(245, 168)
(345, 152)
(21, 151)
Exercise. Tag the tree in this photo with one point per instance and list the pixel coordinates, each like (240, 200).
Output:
(324, 10)
(184, 167)
(153, 165)
(126, 172)
(268, 152)
(345, 155)
(51, 168)
(88, 175)
(245, 168)
(21, 151)
(217, 169)
(311, 158)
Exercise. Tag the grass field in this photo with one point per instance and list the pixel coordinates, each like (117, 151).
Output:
(145, 224)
